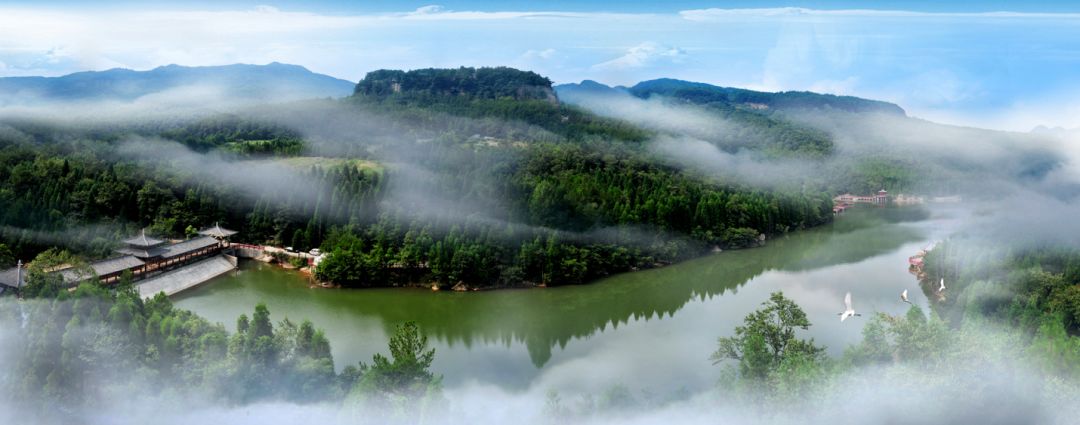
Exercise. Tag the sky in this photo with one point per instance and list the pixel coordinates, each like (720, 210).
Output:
(995, 64)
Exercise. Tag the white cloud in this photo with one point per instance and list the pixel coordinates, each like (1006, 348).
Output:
(719, 15)
(643, 55)
(889, 55)
(427, 10)
(266, 9)
(435, 12)
(538, 54)
(1058, 110)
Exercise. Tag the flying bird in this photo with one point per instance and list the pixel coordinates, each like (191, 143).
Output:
(942, 288)
(903, 297)
(848, 311)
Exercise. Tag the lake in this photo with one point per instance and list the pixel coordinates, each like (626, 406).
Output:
(654, 328)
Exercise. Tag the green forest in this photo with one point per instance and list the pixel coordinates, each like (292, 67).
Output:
(98, 343)
(476, 177)
(554, 194)
(1000, 307)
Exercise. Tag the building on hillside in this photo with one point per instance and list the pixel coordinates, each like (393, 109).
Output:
(880, 198)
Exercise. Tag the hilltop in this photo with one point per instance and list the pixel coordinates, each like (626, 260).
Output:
(271, 82)
(476, 83)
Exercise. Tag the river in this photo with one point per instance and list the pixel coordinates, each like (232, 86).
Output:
(654, 329)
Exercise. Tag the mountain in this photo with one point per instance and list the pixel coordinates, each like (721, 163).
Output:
(500, 93)
(676, 107)
(271, 82)
(467, 83)
(707, 94)
(576, 92)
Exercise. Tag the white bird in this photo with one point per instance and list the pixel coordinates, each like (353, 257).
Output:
(848, 311)
(942, 288)
(903, 297)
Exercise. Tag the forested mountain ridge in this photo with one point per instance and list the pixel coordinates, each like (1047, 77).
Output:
(478, 83)
(271, 82)
(707, 94)
(473, 186)
(731, 123)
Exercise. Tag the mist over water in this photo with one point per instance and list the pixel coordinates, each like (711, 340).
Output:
(660, 358)
(632, 349)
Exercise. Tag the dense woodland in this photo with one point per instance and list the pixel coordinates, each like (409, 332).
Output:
(538, 192)
(512, 189)
(96, 344)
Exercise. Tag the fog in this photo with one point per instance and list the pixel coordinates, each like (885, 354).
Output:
(1025, 187)
(1021, 188)
(742, 167)
(417, 184)
(953, 160)
(254, 178)
(174, 103)
(983, 378)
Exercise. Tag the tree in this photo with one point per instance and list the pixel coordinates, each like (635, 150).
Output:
(767, 349)
(408, 369)
(42, 278)
(7, 258)
(402, 382)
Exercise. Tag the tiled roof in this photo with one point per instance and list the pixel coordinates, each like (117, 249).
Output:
(143, 241)
(113, 265)
(217, 231)
(187, 246)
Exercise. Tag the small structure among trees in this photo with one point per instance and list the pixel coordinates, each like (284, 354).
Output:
(879, 198)
(12, 279)
(141, 257)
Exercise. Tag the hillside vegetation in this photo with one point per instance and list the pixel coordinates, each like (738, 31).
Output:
(483, 178)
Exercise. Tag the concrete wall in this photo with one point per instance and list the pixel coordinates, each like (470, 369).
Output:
(248, 253)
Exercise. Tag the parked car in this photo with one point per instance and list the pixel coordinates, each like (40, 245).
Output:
(289, 249)
(315, 252)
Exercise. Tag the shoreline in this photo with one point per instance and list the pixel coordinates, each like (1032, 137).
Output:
(466, 287)
(524, 285)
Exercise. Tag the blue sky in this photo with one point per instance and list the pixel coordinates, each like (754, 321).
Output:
(993, 64)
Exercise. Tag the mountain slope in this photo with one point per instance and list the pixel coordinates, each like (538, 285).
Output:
(701, 93)
(710, 95)
(575, 92)
(271, 82)
(731, 123)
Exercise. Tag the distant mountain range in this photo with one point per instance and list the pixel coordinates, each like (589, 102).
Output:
(706, 94)
(283, 82)
(271, 82)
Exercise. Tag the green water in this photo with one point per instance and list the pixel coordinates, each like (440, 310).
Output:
(654, 327)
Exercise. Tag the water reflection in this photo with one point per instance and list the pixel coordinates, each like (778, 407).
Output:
(523, 338)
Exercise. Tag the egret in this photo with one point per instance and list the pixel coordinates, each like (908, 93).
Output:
(848, 311)
(903, 297)
(942, 288)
